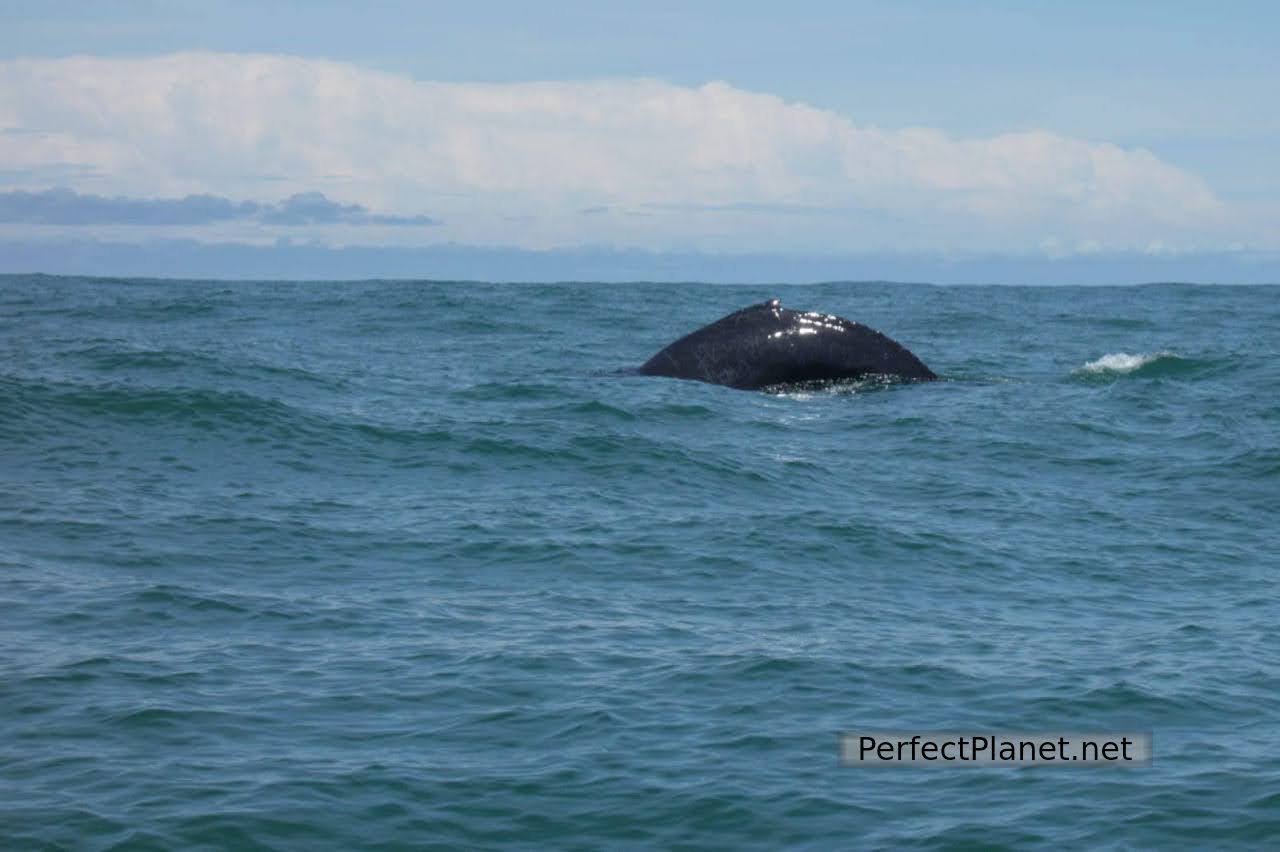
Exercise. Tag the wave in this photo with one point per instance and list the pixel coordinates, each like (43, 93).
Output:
(1145, 364)
(40, 407)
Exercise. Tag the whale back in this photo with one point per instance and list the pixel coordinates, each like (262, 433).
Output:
(766, 344)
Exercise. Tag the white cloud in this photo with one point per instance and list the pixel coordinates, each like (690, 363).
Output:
(711, 167)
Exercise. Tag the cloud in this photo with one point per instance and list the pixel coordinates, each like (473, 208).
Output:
(313, 208)
(478, 154)
(66, 207)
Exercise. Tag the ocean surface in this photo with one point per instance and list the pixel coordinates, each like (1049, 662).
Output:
(411, 565)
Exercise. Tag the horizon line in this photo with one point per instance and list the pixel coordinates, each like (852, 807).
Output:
(167, 279)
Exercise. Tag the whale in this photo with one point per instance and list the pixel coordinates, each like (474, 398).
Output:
(766, 345)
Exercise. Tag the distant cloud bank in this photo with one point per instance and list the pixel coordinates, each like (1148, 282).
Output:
(650, 164)
(66, 207)
(293, 259)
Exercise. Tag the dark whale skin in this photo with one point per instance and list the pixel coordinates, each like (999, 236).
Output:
(767, 345)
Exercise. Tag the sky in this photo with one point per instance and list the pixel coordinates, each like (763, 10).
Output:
(809, 130)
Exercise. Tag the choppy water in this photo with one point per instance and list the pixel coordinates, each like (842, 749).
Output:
(349, 565)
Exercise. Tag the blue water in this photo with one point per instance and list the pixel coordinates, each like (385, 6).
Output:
(407, 565)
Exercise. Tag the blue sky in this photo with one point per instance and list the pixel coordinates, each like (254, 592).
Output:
(1056, 130)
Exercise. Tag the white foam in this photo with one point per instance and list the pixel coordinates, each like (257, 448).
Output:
(1123, 362)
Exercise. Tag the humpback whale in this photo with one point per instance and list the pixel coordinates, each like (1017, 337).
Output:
(767, 345)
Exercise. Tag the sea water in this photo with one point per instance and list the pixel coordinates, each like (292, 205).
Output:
(415, 564)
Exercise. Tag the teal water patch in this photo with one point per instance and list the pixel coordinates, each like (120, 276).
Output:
(407, 564)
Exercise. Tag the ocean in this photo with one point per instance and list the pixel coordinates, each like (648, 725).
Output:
(415, 564)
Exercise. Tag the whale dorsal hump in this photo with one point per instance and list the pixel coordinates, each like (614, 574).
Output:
(765, 344)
